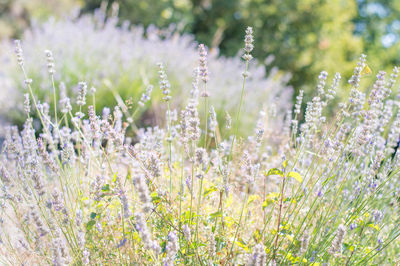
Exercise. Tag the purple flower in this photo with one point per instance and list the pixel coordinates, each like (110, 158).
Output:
(122, 243)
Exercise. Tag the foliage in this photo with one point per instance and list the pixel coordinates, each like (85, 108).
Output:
(378, 24)
(323, 192)
(300, 37)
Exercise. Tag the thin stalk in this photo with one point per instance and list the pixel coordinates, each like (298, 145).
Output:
(279, 216)
(55, 99)
(238, 227)
(198, 209)
(191, 187)
(169, 149)
(181, 191)
(239, 109)
(205, 115)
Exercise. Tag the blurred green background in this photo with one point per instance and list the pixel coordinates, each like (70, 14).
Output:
(301, 37)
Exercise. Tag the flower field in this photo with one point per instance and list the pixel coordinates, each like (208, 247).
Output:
(210, 181)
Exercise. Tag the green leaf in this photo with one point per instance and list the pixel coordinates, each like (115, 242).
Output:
(90, 224)
(296, 176)
(252, 198)
(271, 198)
(216, 214)
(274, 171)
(129, 175)
(241, 244)
(115, 177)
(106, 187)
(209, 190)
(154, 197)
(285, 163)
(327, 180)
(93, 215)
(375, 226)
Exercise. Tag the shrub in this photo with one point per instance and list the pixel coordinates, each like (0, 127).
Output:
(324, 192)
(123, 61)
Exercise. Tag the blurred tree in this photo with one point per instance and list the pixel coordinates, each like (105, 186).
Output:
(305, 37)
(302, 37)
(378, 23)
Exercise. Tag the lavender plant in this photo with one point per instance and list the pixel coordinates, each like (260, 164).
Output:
(322, 192)
(119, 63)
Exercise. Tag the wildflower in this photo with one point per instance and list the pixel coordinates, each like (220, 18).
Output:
(154, 165)
(304, 242)
(81, 99)
(321, 84)
(228, 121)
(60, 255)
(378, 92)
(330, 95)
(122, 243)
(37, 179)
(78, 217)
(355, 79)
(50, 61)
(203, 64)
(106, 113)
(186, 232)
(380, 244)
(336, 246)
(99, 227)
(259, 257)
(27, 106)
(378, 216)
(259, 130)
(393, 78)
(184, 127)
(124, 199)
(85, 256)
(356, 99)
(143, 230)
(38, 222)
(313, 117)
(18, 52)
(144, 194)
(171, 249)
(248, 41)
(94, 123)
(65, 103)
(192, 120)
(188, 182)
(164, 83)
(299, 99)
(145, 96)
(213, 122)
(201, 156)
(211, 244)
(394, 135)
(46, 157)
(4, 175)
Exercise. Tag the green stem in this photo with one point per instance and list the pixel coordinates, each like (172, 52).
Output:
(238, 227)
(198, 210)
(55, 99)
(205, 115)
(237, 122)
(170, 149)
